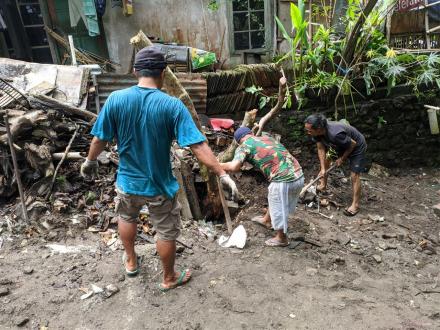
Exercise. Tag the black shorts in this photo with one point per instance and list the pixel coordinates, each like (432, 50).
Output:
(358, 163)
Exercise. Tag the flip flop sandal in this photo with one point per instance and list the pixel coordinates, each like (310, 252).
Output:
(180, 281)
(275, 243)
(259, 220)
(131, 273)
(349, 213)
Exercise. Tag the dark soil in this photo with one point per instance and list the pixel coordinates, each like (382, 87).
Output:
(365, 273)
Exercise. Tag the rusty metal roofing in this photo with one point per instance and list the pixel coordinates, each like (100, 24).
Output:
(193, 83)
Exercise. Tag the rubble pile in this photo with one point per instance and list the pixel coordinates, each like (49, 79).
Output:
(42, 130)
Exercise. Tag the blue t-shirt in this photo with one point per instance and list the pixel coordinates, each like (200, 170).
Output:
(144, 122)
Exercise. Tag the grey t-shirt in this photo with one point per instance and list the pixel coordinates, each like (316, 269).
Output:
(339, 136)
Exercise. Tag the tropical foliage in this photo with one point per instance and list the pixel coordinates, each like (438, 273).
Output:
(318, 64)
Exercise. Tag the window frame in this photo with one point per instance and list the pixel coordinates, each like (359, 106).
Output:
(268, 28)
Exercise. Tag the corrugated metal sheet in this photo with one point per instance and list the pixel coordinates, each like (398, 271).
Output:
(194, 84)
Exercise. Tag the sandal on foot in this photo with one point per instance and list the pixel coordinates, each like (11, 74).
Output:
(259, 220)
(349, 213)
(180, 281)
(131, 273)
(275, 242)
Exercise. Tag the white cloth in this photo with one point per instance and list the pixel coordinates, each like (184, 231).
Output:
(283, 197)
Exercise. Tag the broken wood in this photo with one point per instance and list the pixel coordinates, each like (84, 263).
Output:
(182, 197)
(17, 173)
(188, 183)
(225, 207)
(49, 193)
(23, 124)
(65, 107)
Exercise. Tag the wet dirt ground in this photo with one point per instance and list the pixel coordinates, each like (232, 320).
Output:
(365, 272)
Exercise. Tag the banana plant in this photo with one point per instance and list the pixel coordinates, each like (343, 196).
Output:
(299, 29)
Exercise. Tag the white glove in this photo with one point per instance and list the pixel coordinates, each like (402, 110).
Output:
(229, 184)
(89, 169)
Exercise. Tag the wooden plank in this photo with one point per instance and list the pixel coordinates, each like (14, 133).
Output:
(225, 207)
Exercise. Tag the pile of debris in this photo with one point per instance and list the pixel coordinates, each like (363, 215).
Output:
(49, 137)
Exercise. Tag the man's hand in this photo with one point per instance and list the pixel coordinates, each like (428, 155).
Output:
(228, 183)
(339, 161)
(321, 173)
(89, 169)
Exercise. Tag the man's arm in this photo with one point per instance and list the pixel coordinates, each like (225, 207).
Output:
(233, 166)
(346, 153)
(96, 147)
(321, 156)
(205, 155)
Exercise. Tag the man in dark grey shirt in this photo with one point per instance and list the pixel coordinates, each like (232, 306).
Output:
(348, 143)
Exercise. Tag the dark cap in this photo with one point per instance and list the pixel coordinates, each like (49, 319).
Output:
(241, 133)
(150, 58)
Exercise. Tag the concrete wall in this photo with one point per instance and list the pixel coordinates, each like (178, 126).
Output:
(177, 21)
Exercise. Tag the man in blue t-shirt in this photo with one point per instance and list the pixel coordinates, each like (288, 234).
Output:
(348, 143)
(144, 121)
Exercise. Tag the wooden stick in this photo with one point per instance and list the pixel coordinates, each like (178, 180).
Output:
(14, 161)
(49, 193)
(303, 191)
(225, 207)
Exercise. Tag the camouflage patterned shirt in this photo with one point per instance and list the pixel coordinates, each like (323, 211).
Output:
(270, 157)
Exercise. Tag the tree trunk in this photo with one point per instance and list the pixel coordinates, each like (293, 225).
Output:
(355, 33)
(248, 121)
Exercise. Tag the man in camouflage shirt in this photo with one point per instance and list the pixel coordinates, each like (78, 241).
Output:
(283, 172)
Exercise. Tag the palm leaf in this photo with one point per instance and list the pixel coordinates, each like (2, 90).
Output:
(295, 16)
(283, 29)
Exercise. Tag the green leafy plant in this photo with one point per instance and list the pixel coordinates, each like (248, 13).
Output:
(213, 5)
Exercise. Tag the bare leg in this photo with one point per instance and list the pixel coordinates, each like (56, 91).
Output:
(167, 253)
(281, 236)
(127, 233)
(266, 219)
(356, 184)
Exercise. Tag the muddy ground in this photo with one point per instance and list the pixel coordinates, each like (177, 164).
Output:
(363, 272)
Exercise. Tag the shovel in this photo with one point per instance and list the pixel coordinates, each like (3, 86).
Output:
(303, 191)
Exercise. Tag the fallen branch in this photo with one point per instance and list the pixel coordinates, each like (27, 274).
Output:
(248, 121)
(426, 292)
(282, 89)
(65, 107)
(49, 193)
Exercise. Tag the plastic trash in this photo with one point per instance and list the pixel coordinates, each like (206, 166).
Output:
(237, 239)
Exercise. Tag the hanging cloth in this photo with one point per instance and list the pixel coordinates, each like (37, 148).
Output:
(86, 10)
(100, 7)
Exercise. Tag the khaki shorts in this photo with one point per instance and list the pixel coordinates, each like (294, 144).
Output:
(164, 213)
